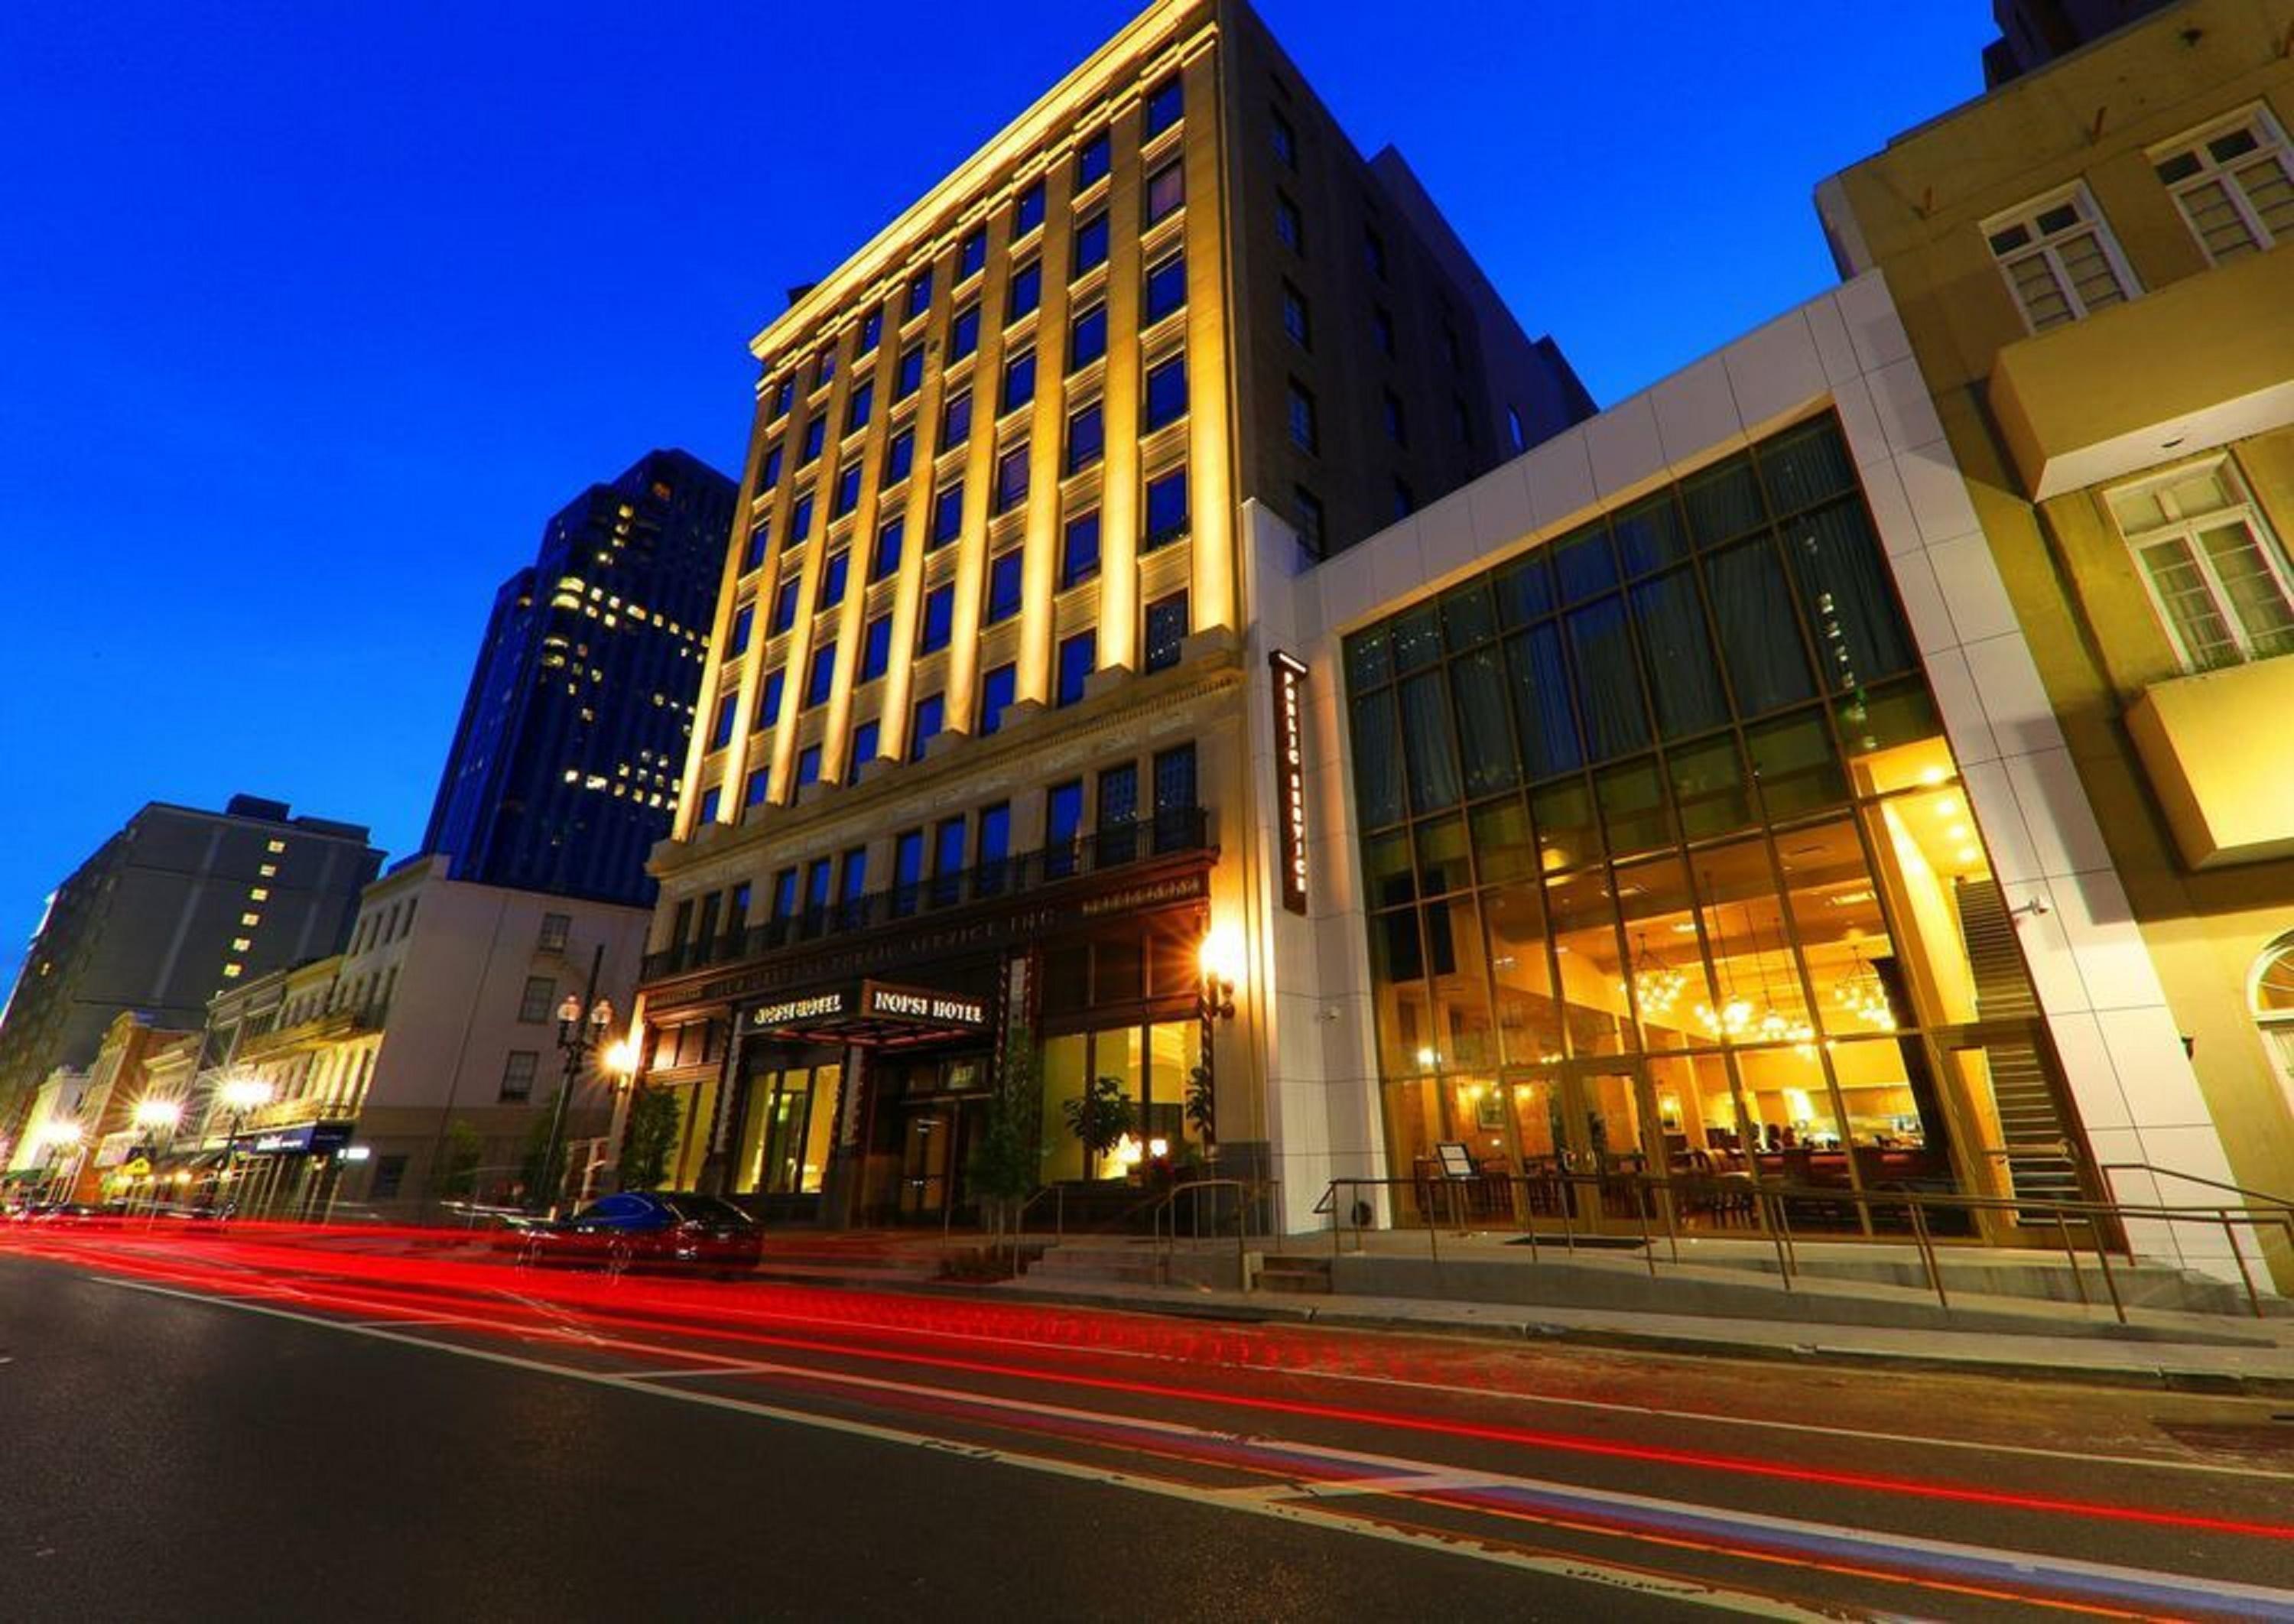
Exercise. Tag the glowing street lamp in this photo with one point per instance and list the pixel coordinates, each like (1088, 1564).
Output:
(581, 1025)
(1220, 960)
(159, 1116)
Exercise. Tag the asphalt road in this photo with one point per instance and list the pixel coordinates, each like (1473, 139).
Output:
(255, 1427)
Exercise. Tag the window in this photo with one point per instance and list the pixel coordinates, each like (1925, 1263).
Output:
(825, 370)
(2059, 259)
(799, 520)
(1166, 630)
(948, 514)
(1308, 507)
(1374, 252)
(785, 603)
(534, 1004)
(1118, 813)
(930, 716)
(998, 689)
(745, 621)
(1166, 190)
(832, 578)
(1063, 826)
(852, 882)
(769, 702)
(1087, 336)
(862, 753)
(1295, 320)
(815, 885)
(900, 456)
(875, 648)
(2234, 184)
(785, 893)
(2271, 993)
(1166, 508)
(886, 557)
(816, 437)
(1026, 292)
(517, 1075)
(1300, 405)
(720, 729)
(1289, 226)
(769, 474)
(711, 799)
(754, 557)
(783, 395)
(1086, 437)
(1405, 499)
(1165, 103)
(1090, 244)
(908, 870)
(1174, 797)
(872, 332)
(1003, 587)
(938, 620)
(956, 420)
(1283, 138)
(242, 944)
(822, 675)
(2218, 577)
(910, 376)
(1012, 478)
(1514, 430)
(759, 784)
(1094, 160)
(556, 931)
(1397, 426)
(1079, 550)
(1019, 381)
(919, 293)
(1167, 287)
(991, 847)
(858, 405)
(808, 765)
(1079, 658)
(847, 490)
(1451, 353)
(964, 333)
(1167, 392)
(1028, 212)
(972, 254)
(948, 859)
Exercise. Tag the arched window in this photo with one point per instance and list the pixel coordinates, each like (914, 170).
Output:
(2274, 1005)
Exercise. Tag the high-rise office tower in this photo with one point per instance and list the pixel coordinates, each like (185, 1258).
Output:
(177, 907)
(565, 761)
(2033, 32)
(1014, 486)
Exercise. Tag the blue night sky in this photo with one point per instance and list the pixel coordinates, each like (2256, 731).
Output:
(311, 314)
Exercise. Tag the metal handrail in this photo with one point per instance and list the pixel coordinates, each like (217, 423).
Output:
(1247, 1192)
(1772, 1204)
(2262, 1196)
(1059, 1194)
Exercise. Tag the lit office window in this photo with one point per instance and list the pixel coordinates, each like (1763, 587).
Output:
(1166, 630)
(2234, 183)
(2059, 258)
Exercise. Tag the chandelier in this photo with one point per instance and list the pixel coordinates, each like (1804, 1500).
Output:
(1861, 995)
(1657, 986)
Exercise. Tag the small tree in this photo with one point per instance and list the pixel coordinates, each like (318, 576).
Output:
(1009, 1159)
(458, 1169)
(1098, 1117)
(1202, 1108)
(648, 1138)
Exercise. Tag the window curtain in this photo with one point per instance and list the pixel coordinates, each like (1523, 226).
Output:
(1851, 605)
(1544, 713)
(1683, 676)
(1609, 683)
(1428, 745)
(1485, 731)
(1759, 639)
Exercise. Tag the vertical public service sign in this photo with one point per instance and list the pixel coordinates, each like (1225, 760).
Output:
(1290, 775)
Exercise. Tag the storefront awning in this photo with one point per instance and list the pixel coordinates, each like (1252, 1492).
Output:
(876, 1014)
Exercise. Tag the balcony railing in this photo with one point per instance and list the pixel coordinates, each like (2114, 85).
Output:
(1183, 829)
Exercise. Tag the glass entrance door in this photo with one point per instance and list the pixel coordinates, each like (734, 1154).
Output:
(1603, 1114)
(927, 1153)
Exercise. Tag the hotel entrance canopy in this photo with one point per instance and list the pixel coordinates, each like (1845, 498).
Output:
(873, 1014)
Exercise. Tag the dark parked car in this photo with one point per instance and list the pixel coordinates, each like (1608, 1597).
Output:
(638, 1229)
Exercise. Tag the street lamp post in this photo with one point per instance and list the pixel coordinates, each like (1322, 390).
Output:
(581, 1024)
(1220, 962)
(57, 1136)
(240, 1095)
(157, 1117)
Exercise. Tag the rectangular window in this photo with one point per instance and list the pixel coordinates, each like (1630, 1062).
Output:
(785, 893)
(858, 405)
(556, 931)
(863, 752)
(947, 860)
(1174, 797)
(769, 702)
(956, 420)
(769, 476)
(815, 438)
(721, 726)
(1397, 426)
(1283, 138)
(998, 689)
(919, 293)
(991, 847)
(1374, 252)
(517, 1076)
(908, 870)
(1308, 507)
(824, 369)
(948, 514)
(1118, 813)
(1289, 226)
(1405, 499)
(2234, 183)
(1090, 244)
(875, 648)
(1514, 431)
(1094, 160)
(1019, 381)
(1300, 405)
(854, 879)
(872, 332)
(783, 393)
(972, 254)
(744, 623)
(900, 456)
(808, 765)
(939, 619)
(1166, 190)
(1079, 550)
(2059, 259)
(1003, 587)
(964, 333)
(821, 676)
(758, 786)
(1028, 212)
(1167, 287)
(1062, 827)
(930, 716)
(785, 601)
(1026, 292)
(816, 877)
(535, 1003)
(1166, 508)
(1165, 104)
(1012, 478)
(1295, 319)
(2217, 575)
(1086, 437)
(1079, 658)
(847, 490)
(711, 799)
(909, 377)
(1087, 336)
(885, 560)
(1167, 392)
(801, 520)
(754, 557)
(1166, 630)
(832, 578)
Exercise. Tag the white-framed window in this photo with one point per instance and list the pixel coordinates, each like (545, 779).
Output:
(2059, 258)
(541, 993)
(2233, 180)
(2216, 574)
(517, 1075)
(2272, 1001)
(556, 929)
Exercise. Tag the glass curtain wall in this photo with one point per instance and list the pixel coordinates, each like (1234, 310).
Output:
(1667, 861)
